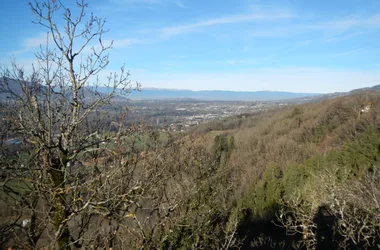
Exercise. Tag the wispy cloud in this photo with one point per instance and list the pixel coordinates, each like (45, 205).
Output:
(139, 1)
(116, 44)
(348, 52)
(128, 2)
(300, 44)
(340, 38)
(303, 43)
(348, 28)
(374, 20)
(179, 3)
(240, 61)
(32, 43)
(123, 3)
(123, 43)
(335, 30)
(180, 29)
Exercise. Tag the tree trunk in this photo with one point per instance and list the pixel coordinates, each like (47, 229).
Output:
(57, 172)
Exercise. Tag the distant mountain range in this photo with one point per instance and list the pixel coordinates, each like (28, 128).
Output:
(220, 95)
(214, 95)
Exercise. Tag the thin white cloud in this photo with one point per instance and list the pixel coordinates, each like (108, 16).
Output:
(344, 37)
(179, 3)
(300, 44)
(32, 43)
(123, 43)
(179, 29)
(348, 52)
(303, 43)
(374, 20)
(124, 3)
(334, 30)
(116, 44)
(240, 61)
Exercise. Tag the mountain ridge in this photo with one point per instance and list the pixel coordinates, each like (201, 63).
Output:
(215, 95)
(212, 95)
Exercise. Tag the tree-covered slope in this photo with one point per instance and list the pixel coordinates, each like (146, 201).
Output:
(307, 173)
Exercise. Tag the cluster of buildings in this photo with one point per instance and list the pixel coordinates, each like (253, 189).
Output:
(180, 115)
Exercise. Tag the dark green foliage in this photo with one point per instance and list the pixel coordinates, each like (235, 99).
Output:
(363, 153)
(262, 198)
(265, 196)
(222, 149)
(218, 125)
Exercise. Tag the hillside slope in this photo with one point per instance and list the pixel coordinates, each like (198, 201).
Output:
(298, 177)
(289, 162)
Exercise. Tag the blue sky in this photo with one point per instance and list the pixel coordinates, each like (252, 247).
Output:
(287, 45)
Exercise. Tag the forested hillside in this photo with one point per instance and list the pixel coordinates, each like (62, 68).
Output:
(307, 175)
(303, 176)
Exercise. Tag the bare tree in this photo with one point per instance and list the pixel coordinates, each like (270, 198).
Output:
(76, 184)
(50, 111)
